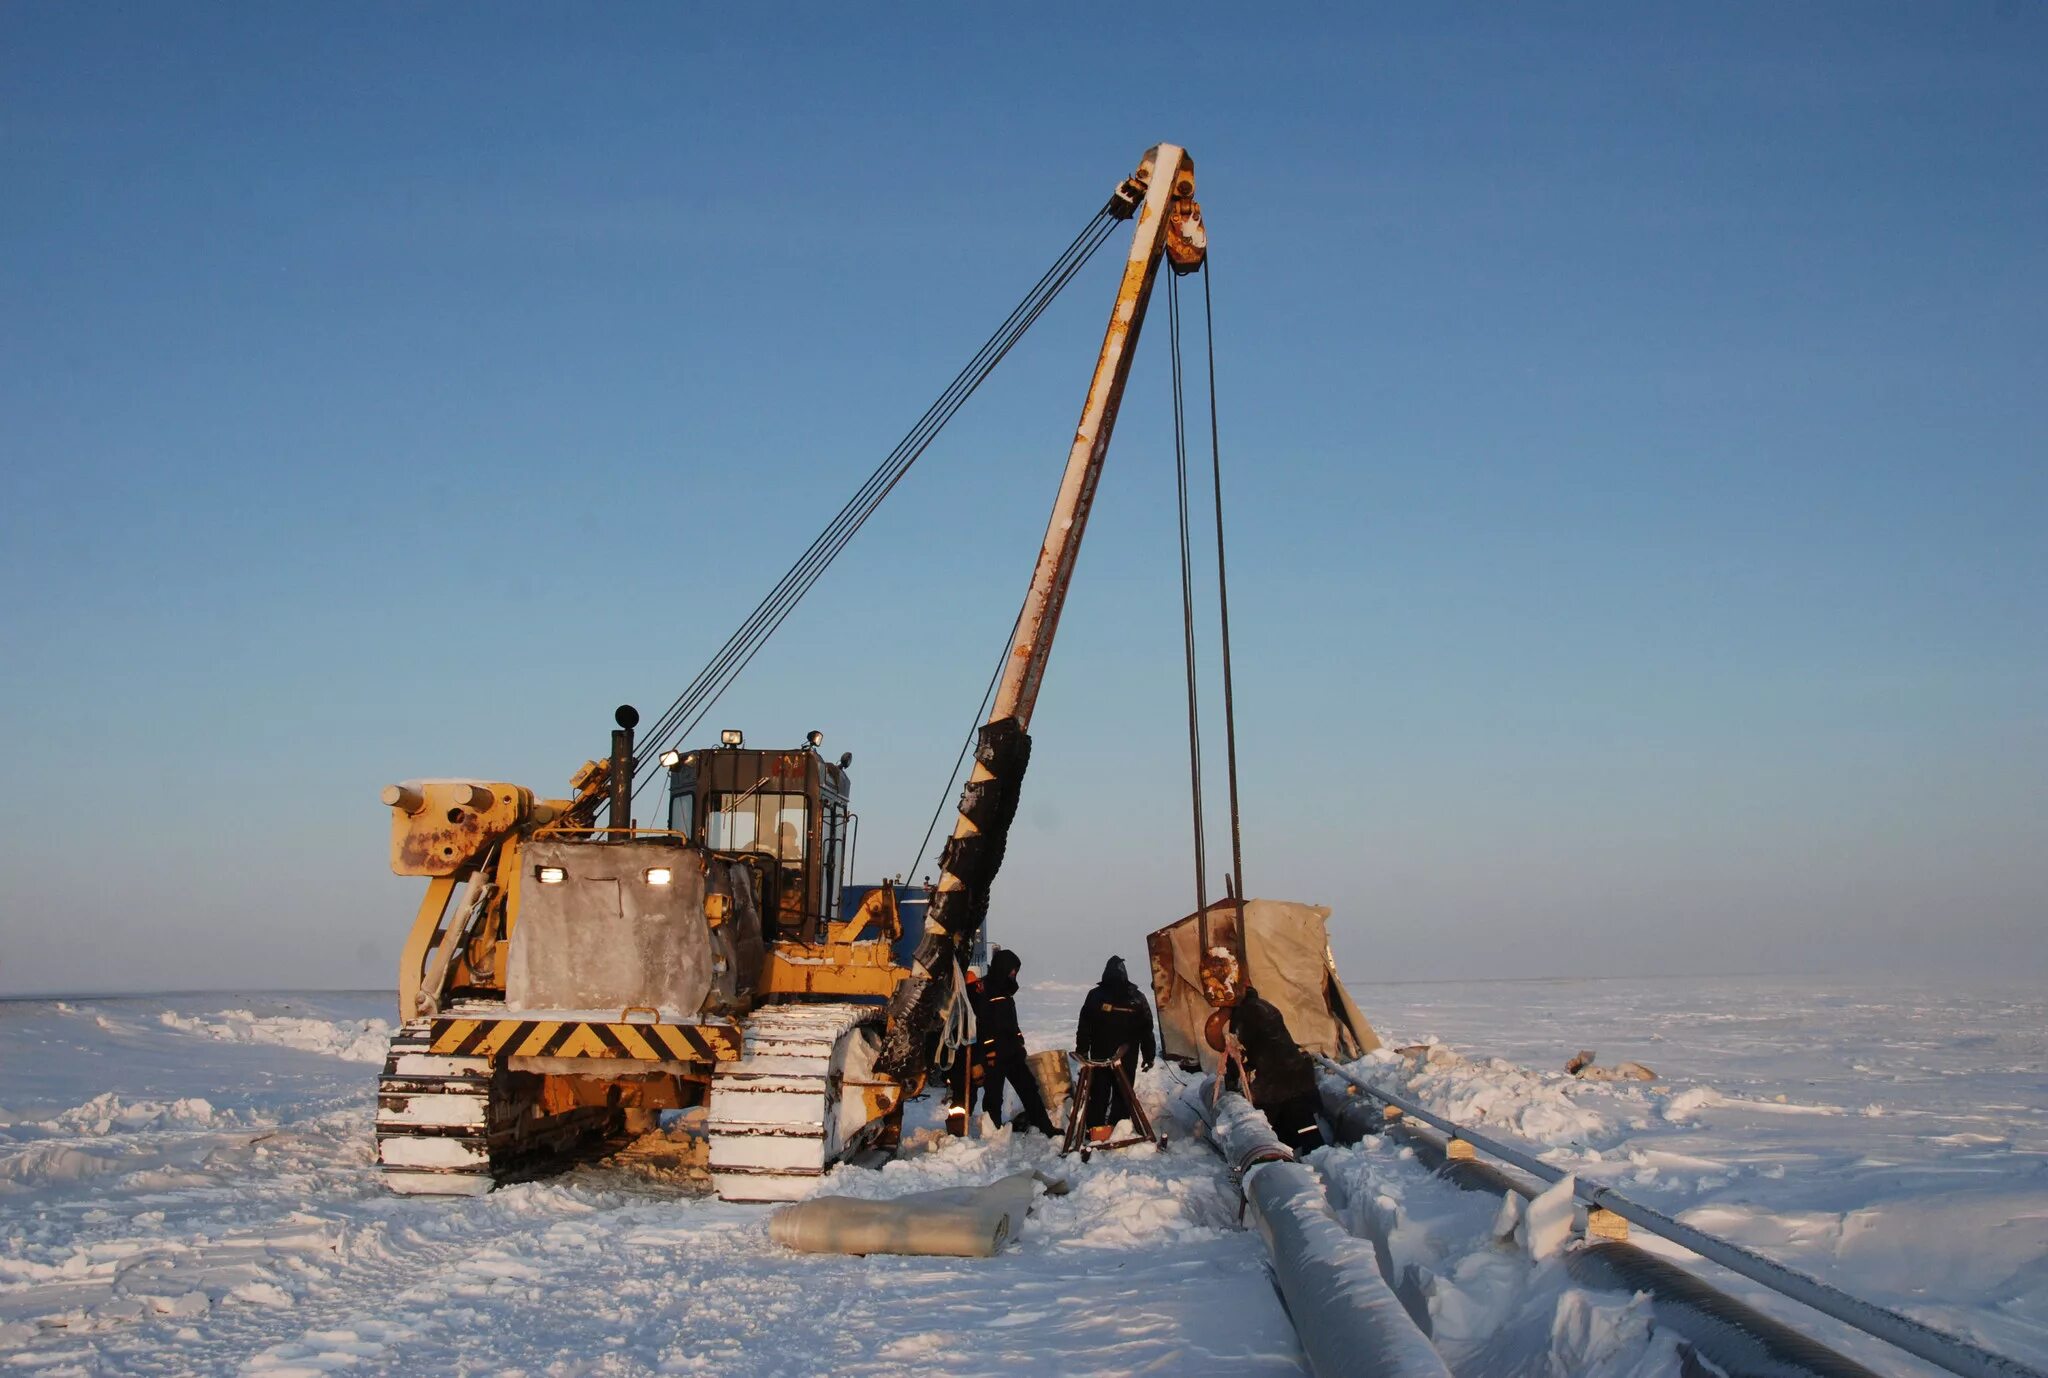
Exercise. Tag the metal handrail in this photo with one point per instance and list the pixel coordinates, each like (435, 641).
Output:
(550, 831)
(1952, 1352)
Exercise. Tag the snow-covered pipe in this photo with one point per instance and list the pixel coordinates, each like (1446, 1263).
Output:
(1351, 1112)
(1735, 1338)
(1347, 1320)
(1952, 1352)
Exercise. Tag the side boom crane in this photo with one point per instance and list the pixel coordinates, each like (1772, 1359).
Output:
(592, 977)
(1160, 195)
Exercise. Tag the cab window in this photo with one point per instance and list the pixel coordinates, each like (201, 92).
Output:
(775, 825)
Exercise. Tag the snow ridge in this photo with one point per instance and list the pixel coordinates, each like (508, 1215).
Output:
(352, 1040)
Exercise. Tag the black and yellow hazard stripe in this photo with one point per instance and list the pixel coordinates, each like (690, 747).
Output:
(493, 1038)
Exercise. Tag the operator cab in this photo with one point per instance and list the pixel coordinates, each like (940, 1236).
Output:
(783, 814)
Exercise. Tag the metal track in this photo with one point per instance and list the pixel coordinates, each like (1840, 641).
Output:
(433, 1118)
(448, 1125)
(777, 1116)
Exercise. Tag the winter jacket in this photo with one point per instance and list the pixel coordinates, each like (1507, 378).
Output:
(1115, 1015)
(995, 1011)
(1280, 1070)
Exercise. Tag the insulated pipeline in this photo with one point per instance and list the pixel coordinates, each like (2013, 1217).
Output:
(1737, 1339)
(1952, 1352)
(1348, 1321)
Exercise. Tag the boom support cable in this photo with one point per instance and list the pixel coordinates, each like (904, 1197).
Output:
(703, 692)
(1233, 881)
(1223, 612)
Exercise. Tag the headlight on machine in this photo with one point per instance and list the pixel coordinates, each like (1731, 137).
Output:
(659, 875)
(550, 875)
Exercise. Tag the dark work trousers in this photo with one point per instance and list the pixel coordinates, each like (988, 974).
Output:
(1106, 1100)
(1011, 1069)
(1294, 1123)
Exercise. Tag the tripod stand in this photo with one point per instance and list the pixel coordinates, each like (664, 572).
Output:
(1077, 1108)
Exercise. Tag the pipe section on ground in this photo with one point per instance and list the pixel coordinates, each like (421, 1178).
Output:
(1350, 1112)
(1734, 1337)
(1952, 1352)
(1346, 1318)
(1737, 1339)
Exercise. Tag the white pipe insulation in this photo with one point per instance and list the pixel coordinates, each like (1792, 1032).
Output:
(1347, 1320)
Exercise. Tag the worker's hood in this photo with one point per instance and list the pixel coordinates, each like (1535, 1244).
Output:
(1114, 974)
(1002, 972)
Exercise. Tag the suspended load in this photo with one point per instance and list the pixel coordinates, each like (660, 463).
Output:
(1287, 959)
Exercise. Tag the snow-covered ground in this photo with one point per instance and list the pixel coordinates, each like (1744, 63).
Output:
(185, 1187)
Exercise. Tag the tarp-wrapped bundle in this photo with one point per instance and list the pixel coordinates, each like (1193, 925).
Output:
(1288, 961)
(961, 1222)
(1049, 1069)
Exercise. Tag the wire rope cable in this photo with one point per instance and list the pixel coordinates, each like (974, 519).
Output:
(1223, 607)
(704, 690)
(1187, 597)
(884, 476)
(789, 604)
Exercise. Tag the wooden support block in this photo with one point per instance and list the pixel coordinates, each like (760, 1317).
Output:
(1458, 1151)
(1605, 1224)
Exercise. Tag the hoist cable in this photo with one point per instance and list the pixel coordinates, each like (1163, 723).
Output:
(1187, 597)
(878, 483)
(711, 681)
(786, 604)
(1223, 603)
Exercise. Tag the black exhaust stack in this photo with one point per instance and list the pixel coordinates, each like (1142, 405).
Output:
(627, 718)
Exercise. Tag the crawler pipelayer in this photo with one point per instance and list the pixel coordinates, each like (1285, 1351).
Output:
(566, 981)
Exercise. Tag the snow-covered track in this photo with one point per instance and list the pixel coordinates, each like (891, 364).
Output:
(449, 1125)
(779, 1115)
(433, 1118)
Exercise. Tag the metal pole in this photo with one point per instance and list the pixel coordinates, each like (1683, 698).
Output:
(1951, 1352)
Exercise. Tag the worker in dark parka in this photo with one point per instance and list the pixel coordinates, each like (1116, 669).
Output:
(1283, 1077)
(999, 1045)
(1116, 1022)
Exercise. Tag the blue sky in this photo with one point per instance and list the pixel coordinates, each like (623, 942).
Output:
(1632, 421)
